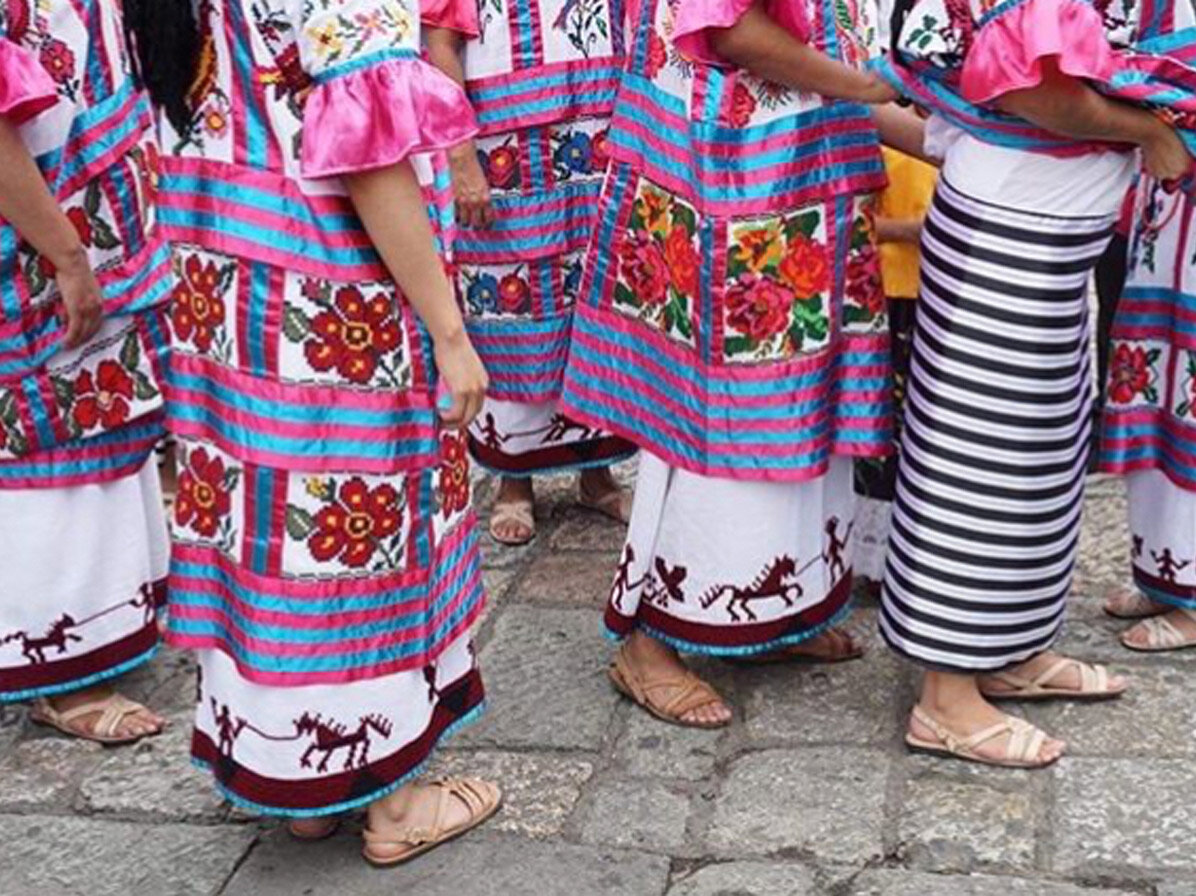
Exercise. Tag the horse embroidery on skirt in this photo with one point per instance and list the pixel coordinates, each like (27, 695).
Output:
(59, 636)
(778, 580)
(332, 736)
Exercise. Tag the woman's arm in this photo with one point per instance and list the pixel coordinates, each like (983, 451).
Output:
(1068, 106)
(471, 191)
(902, 130)
(898, 230)
(757, 43)
(26, 203)
(391, 206)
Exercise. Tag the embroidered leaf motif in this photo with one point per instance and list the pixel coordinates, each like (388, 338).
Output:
(64, 392)
(102, 235)
(91, 199)
(299, 522)
(130, 352)
(143, 387)
(295, 324)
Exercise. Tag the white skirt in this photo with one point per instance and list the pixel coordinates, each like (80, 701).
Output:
(725, 567)
(1163, 538)
(81, 583)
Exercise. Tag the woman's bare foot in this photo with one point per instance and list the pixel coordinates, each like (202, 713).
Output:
(598, 491)
(1133, 604)
(956, 703)
(655, 661)
(135, 724)
(513, 518)
(1174, 629)
(312, 829)
(1069, 678)
(835, 645)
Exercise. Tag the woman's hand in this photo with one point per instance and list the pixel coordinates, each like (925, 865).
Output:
(464, 376)
(1165, 156)
(471, 191)
(877, 92)
(82, 300)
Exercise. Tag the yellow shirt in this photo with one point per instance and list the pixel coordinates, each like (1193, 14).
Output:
(910, 190)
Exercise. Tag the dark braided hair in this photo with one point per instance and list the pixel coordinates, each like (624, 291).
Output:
(164, 40)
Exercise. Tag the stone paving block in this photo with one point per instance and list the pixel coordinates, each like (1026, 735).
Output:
(14, 723)
(1176, 888)
(960, 822)
(826, 802)
(1161, 694)
(1104, 555)
(636, 815)
(747, 879)
(56, 856)
(153, 779)
(1117, 815)
(906, 883)
(539, 791)
(1095, 640)
(472, 866)
(582, 530)
(651, 749)
(851, 703)
(44, 773)
(580, 580)
(545, 673)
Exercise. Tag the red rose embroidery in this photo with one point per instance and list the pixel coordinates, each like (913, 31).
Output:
(513, 293)
(600, 150)
(758, 307)
(58, 60)
(658, 55)
(203, 496)
(806, 267)
(198, 308)
(643, 268)
(502, 168)
(104, 400)
(351, 338)
(864, 285)
(1129, 373)
(683, 261)
(743, 104)
(349, 527)
(81, 223)
(454, 475)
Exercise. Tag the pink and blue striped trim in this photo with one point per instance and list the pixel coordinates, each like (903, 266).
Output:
(525, 358)
(545, 94)
(547, 224)
(105, 458)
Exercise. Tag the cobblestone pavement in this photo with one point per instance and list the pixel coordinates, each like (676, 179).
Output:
(810, 792)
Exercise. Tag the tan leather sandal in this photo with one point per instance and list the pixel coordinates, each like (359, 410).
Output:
(1095, 684)
(1022, 750)
(801, 653)
(615, 503)
(1133, 605)
(402, 843)
(113, 710)
(1161, 635)
(688, 692)
(520, 513)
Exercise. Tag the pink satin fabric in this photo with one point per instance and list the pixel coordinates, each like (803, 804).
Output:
(380, 115)
(457, 15)
(1008, 51)
(695, 16)
(26, 89)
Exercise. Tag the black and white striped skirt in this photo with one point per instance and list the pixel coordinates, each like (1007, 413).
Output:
(994, 449)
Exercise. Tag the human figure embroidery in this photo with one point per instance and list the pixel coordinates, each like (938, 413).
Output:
(332, 736)
(834, 550)
(487, 432)
(623, 584)
(1138, 547)
(1168, 565)
(228, 729)
(58, 637)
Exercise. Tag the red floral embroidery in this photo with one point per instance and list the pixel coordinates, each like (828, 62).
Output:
(82, 224)
(758, 307)
(104, 400)
(203, 495)
(198, 308)
(644, 268)
(513, 293)
(806, 267)
(1129, 373)
(349, 527)
(454, 475)
(683, 261)
(658, 55)
(58, 60)
(351, 337)
(864, 285)
(502, 167)
(743, 104)
(600, 150)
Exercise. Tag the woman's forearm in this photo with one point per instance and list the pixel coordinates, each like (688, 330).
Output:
(757, 43)
(902, 130)
(391, 206)
(26, 203)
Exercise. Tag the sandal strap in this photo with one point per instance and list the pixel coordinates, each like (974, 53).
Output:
(1025, 741)
(1161, 632)
(467, 790)
(113, 710)
(1024, 745)
(691, 692)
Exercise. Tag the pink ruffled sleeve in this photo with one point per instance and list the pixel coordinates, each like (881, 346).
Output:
(696, 17)
(1009, 49)
(456, 15)
(26, 88)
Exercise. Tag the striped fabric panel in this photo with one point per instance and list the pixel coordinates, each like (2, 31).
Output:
(525, 358)
(994, 448)
(105, 458)
(545, 94)
(789, 163)
(300, 426)
(289, 632)
(556, 222)
(777, 423)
